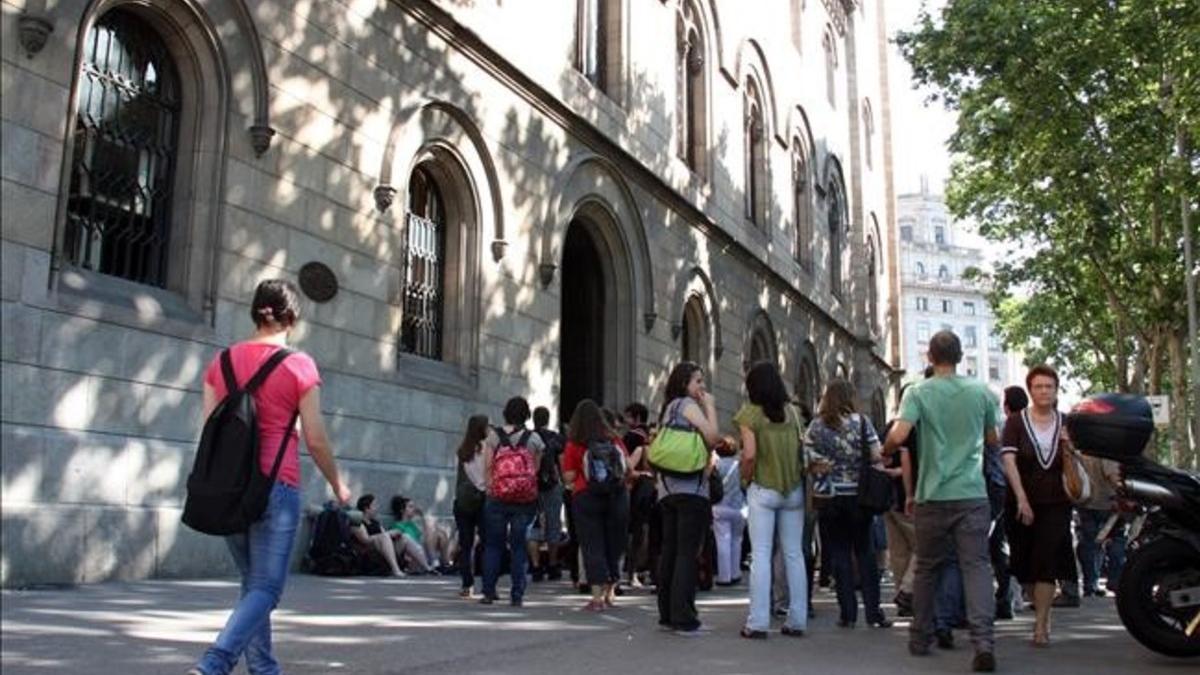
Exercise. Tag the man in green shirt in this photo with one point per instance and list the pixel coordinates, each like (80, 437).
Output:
(950, 507)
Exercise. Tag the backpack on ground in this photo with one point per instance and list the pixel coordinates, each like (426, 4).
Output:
(226, 490)
(604, 467)
(548, 471)
(514, 473)
(330, 552)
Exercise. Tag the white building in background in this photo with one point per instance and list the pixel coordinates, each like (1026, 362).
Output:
(935, 294)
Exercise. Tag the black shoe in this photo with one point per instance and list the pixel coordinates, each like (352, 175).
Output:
(488, 600)
(903, 602)
(516, 602)
(555, 574)
(791, 632)
(984, 662)
(881, 622)
(538, 575)
(585, 589)
(944, 638)
(1061, 600)
(1004, 612)
(843, 623)
(824, 582)
(918, 649)
(753, 634)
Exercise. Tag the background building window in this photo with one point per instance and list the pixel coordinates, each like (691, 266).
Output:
(424, 279)
(994, 369)
(692, 92)
(939, 235)
(906, 233)
(944, 273)
(921, 269)
(947, 306)
(972, 366)
(126, 133)
(835, 242)
(923, 331)
(970, 338)
(923, 304)
(801, 205)
(829, 46)
(756, 155)
(969, 308)
(599, 38)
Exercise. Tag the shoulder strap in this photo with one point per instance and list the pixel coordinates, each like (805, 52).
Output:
(862, 438)
(287, 436)
(227, 371)
(524, 440)
(265, 369)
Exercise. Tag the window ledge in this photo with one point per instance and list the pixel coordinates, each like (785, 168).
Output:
(436, 376)
(114, 300)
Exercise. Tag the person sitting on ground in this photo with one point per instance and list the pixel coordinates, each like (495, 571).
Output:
(412, 541)
(370, 536)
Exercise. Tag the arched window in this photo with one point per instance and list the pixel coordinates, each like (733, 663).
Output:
(802, 204)
(123, 169)
(944, 273)
(836, 240)
(693, 94)
(872, 286)
(868, 122)
(808, 387)
(694, 339)
(600, 44)
(756, 155)
(424, 265)
(829, 46)
(921, 270)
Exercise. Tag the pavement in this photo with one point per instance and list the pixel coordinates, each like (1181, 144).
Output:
(420, 625)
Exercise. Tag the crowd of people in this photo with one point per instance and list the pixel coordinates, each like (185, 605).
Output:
(958, 496)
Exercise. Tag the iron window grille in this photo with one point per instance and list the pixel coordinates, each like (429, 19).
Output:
(126, 132)
(424, 259)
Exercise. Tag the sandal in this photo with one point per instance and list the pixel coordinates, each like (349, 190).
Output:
(753, 634)
(594, 606)
(1041, 639)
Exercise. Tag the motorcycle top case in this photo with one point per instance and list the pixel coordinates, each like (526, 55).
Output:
(1113, 426)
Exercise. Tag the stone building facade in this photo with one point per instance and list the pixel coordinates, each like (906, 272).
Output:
(482, 198)
(936, 295)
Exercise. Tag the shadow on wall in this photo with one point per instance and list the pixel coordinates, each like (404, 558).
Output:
(96, 451)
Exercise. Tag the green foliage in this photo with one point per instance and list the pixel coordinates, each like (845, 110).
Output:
(1065, 153)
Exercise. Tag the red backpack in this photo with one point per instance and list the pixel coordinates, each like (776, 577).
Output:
(514, 473)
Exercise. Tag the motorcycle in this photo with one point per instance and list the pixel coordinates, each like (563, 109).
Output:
(1158, 594)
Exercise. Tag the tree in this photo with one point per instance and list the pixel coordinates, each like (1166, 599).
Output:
(1067, 152)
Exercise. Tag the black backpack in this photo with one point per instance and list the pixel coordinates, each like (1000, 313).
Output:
(329, 551)
(548, 471)
(604, 467)
(226, 490)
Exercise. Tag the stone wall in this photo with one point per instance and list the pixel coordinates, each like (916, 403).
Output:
(101, 378)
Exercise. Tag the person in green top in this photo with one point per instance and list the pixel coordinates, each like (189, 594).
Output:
(956, 415)
(408, 536)
(771, 434)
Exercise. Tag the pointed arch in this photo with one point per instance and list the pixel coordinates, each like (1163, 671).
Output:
(699, 286)
(590, 176)
(752, 62)
(761, 341)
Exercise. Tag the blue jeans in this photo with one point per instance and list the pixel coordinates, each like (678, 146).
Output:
(502, 520)
(1092, 555)
(261, 555)
(949, 610)
(771, 511)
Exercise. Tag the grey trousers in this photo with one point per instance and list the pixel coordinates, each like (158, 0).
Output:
(960, 526)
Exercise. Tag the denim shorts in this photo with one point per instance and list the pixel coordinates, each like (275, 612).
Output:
(547, 526)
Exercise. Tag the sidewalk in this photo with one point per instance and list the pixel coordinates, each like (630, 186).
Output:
(420, 626)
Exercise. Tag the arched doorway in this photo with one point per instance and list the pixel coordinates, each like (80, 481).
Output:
(597, 342)
(581, 357)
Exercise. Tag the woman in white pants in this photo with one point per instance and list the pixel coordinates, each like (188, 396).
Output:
(729, 524)
(772, 463)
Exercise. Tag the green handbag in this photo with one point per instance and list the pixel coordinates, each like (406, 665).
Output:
(678, 448)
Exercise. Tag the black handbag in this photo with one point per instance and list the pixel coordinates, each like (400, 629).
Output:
(875, 489)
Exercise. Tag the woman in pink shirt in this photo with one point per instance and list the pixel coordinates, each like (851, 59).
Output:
(261, 553)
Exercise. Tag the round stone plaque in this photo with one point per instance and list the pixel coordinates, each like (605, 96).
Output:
(318, 282)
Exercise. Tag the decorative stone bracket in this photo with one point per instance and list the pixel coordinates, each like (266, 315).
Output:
(546, 273)
(499, 246)
(33, 31)
(676, 331)
(648, 320)
(260, 138)
(384, 196)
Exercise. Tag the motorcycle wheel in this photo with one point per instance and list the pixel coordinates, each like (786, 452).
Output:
(1143, 597)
